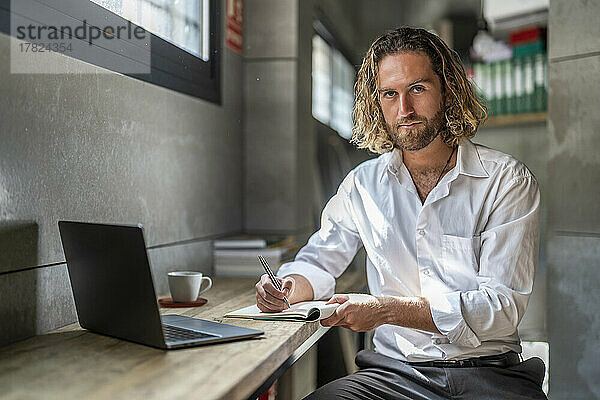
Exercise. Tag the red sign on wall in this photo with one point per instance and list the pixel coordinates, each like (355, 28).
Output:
(233, 31)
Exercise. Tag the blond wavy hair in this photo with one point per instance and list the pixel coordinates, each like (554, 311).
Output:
(463, 111)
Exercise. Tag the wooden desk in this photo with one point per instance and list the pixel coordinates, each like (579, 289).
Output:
(73, 363)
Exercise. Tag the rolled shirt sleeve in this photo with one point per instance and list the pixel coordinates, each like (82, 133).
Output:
(329, 250)
(507, 264)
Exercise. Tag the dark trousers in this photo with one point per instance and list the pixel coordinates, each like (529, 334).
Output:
(382, 377)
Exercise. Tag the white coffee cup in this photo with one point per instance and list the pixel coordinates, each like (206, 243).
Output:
(185, 285)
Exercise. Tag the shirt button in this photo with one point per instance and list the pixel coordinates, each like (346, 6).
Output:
(421, 232)
(426, 272)
(437, 341)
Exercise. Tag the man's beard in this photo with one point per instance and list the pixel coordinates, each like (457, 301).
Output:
(419, 137)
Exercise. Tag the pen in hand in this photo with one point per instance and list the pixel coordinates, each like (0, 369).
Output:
(272, 276)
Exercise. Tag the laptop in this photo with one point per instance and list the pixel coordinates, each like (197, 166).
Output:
(114, 291)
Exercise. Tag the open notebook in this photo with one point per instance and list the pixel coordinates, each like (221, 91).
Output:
(303, 311)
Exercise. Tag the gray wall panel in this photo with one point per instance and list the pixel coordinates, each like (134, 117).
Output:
(270, 28)
(575, 29)
(270, 144)
(574, 155)
(34, 301)
(574, 320)
(18, 245)
(106, 147)
(307, 166)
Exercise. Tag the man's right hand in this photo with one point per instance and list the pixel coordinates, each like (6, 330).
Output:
(268, 298)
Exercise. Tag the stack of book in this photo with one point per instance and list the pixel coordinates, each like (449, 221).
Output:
(517, 84)
(239, 256)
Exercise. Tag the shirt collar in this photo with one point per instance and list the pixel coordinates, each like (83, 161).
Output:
(393, 164)
(468, 161)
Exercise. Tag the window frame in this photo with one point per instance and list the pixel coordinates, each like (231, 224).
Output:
(170, 66)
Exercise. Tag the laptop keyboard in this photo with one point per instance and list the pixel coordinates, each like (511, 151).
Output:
(175, 333)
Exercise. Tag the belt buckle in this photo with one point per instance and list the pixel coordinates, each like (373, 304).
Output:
(501, 363)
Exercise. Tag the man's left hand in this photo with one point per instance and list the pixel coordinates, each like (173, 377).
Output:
(359, 312)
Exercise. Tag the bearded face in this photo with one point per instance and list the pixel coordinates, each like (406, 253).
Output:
(411, 98)
(417, 131)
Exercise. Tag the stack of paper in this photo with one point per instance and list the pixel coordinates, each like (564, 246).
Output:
(239, 257)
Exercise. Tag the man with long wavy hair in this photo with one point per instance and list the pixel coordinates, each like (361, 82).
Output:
(451, 231)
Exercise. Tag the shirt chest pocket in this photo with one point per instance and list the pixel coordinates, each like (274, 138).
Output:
(460, 256)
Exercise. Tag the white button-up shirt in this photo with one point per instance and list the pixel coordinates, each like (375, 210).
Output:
(471, 249)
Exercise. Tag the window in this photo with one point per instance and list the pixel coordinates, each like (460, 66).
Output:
(342, 95)
(183, 23)
(179, 50)
(332, 85)
(321, 80)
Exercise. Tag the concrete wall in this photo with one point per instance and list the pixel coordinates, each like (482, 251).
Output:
(277, 196)
(108, 148)
(573, 243)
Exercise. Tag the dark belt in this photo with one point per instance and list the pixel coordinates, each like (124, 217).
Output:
(502, 361)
